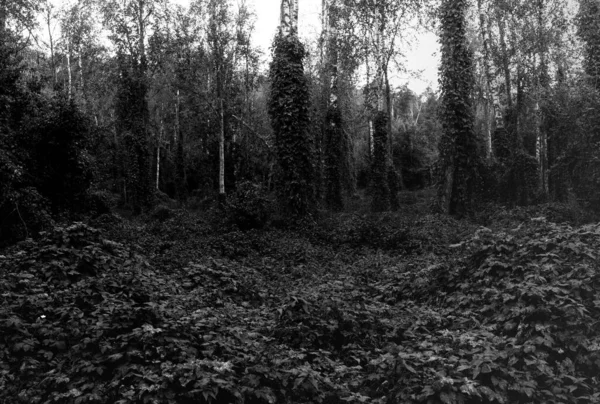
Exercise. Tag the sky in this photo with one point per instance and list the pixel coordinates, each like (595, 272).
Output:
(421, 57)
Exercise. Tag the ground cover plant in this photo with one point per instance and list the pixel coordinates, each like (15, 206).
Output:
(357, 309)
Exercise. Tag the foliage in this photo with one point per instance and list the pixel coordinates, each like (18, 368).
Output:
(132, 127)
(58, 160)
(334, 158)
(380, 189)
(350, 309)
(572, 122)
(249, 207)
(44, 164)
(587, 30)
(419, 130)
(458, 146)
(523, 289)
(288, 109)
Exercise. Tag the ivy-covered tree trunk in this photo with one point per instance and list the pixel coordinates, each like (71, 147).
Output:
(385, 179)
(589, 18)
(289, 113)
(458, 146)
(132, 121)
(380, 189)
(334, 156)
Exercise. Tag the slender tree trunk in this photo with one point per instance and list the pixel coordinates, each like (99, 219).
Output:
(158, 144)
(81, 78)
(3, 16)
(51, 39)
(221, 149)
(176, 135)
(542, 136)
(505, 60)
(489, 97)
(218, 54)
(69, 72)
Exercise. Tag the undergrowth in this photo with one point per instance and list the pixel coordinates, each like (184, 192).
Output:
(352, 309)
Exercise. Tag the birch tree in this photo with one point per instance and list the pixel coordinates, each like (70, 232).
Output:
(129, 22)
(458, 151)
(289, 113)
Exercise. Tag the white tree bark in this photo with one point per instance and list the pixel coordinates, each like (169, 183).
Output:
(289, 17)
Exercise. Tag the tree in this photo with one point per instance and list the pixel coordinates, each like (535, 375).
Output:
(288, 110)
(334, 142)
(129, 22)
(588, 18)
(458, 146)
(383, 27)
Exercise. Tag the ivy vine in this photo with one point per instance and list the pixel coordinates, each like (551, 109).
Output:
(588, 20)
(458, 146)
(379, 170)
(334, 158)
(132, 123)
(289, 112)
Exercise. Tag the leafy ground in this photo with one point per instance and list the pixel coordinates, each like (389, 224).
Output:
(402, 308)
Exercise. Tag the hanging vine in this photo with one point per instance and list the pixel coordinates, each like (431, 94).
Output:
(289, 113)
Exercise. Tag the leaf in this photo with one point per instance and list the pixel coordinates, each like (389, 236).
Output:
(447, 398)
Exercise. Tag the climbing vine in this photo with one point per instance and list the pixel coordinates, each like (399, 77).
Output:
(334, 158)
(132, 121)
(289, 113)
(458, 146)
(588, 18)
(379, 171)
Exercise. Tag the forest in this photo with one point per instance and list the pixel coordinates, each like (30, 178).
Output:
(186, 218)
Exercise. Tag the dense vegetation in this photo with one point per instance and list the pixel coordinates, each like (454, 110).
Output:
(182, 223)
(355, 308)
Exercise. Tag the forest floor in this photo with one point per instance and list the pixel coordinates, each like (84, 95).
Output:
(406, 307)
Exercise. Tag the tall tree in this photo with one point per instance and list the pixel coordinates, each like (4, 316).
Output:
(589, 18)
(334, 142)
(289, 112)
(458, 146)
(129, 22)
(384, 27)
(218, 39)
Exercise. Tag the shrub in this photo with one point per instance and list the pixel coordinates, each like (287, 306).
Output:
(162, 213)
(249, 207)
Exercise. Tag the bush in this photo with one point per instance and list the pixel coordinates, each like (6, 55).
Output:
(101, 202)
(249, 207)
(162, 213)
(23, 213)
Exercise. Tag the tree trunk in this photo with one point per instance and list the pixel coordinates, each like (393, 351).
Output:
(157, 167)
(3, 16)
(333, 154)
(541, 82)
(505, 60)
(69, 72)
(489, 97)
(51, 39)
(285, 18)
(81, 79)
(221, 148)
